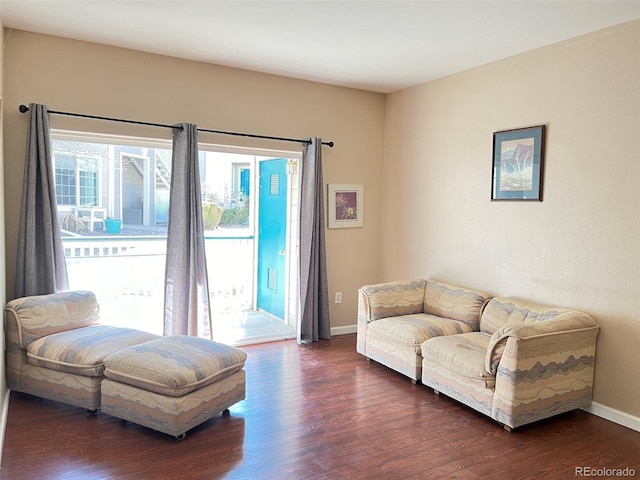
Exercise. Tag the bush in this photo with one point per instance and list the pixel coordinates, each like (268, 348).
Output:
(211, 215)
(235, 216)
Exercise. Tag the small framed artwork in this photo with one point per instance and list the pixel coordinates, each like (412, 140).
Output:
(518, 158)
(345, 206)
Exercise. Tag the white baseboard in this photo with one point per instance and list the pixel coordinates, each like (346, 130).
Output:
(613, 415)
(343, 330)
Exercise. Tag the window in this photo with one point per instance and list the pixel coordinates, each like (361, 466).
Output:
(128, 179)
(77, 180)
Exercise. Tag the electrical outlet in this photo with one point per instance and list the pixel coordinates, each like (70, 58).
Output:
(338, 297)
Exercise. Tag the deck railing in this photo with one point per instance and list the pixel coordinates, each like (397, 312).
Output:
(127, 275)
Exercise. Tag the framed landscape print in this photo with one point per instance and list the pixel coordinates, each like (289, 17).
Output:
(518, 157)
(345, 207)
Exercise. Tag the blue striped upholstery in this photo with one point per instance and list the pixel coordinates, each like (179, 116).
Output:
(82, 350)
(530, 362)
(395, 318)
(174, 365)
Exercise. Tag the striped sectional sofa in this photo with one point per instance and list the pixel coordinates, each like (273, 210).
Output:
(396, 318)
(514, 361)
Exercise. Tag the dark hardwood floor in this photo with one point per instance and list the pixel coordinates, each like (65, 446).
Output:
(313, 412)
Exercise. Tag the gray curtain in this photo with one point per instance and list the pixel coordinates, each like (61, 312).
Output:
(186, 299)
(40, 263)
(314, 292)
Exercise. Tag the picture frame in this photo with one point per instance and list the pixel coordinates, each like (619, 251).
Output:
(517, 166)
(345, 206)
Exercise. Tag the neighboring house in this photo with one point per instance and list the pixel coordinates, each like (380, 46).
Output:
(130, 183)
(126, 182)
(141, 193)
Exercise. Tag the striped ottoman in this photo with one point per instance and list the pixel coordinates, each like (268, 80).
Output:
(173, 384)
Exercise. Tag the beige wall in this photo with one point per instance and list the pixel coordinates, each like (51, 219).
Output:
(579, 248)
(74, 76)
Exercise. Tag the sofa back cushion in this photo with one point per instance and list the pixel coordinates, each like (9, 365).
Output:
(501, 311)
(451, 301)
(390, 299)
(41, 315)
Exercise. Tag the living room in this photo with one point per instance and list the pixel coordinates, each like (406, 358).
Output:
(423, 155)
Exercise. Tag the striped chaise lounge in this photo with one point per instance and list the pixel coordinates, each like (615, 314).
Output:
(56, 346)
(56, 349)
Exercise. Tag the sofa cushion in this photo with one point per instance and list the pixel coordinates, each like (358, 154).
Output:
(501, 311)
(402, 297)
(462, 354)
(414, 329)
(42, 315)
(451, 301)
(82, 350)
(174, 365)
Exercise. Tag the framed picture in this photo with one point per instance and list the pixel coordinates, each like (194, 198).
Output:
(345, 206)
(518, 158)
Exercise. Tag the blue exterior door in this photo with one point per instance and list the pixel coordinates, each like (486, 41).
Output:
(272, 236)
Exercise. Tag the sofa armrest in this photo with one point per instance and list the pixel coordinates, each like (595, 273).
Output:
(551, 332)
(542, 371)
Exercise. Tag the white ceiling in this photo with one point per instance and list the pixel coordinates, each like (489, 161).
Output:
(380, 46)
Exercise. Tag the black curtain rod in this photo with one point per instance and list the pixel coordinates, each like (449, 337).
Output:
(25, 109)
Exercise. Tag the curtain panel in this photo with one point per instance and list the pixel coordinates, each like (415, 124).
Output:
(314, 292)
(40, 262)
(186, 301)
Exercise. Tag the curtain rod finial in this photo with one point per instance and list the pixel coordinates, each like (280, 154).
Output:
(330, 144)
(23, 109)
